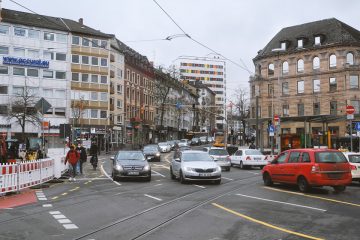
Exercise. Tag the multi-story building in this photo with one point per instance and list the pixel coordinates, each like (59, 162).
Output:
(205, 108)
(307, 75)
(138, 97)
(117, 63)
(212, 73)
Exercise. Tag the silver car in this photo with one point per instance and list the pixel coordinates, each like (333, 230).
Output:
(194, 165)
(221, 157)
(164, 147)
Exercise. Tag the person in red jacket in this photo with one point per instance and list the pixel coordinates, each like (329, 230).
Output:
(72, 157)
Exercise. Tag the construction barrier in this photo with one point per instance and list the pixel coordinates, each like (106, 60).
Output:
(58, 154)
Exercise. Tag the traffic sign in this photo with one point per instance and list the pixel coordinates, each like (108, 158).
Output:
(276, 118)
(350, 109)
(271, 129)
(357, 126)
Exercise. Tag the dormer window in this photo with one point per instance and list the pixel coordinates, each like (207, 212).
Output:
(283, 45)
(318, 40)
(300, 43)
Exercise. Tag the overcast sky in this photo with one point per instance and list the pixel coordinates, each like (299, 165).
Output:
(235, 28)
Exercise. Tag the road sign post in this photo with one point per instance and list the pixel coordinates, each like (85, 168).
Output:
(350, 116)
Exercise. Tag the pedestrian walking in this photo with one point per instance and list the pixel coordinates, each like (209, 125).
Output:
(3, 150)
(83, 156)
(72, 157)
(252, 146)
(93, 154)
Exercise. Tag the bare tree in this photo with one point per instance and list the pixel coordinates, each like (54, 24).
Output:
(77, 109)
(23, 110)
(241, 104)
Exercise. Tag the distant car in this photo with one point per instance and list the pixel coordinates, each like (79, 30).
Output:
(183, 143)
(164, 147)
(246, 158)
(221, 157)
(180, 149)
(129, 164)
(152, 152)
(354, 161)
(195, 141)
(309, 168)
(193, 165)
(204, 140)
(172, 144)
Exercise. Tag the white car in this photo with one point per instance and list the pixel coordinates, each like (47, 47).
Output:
(354, 160)
(247, 158)
(220, 156)
(164, 147)
(183, 143)
(193, 165)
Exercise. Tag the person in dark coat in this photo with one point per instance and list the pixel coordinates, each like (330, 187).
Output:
(252, 146)
(83, 156)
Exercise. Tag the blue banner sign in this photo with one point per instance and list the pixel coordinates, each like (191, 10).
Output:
(26, 62)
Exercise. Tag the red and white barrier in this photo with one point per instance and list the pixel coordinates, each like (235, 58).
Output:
(8, 177)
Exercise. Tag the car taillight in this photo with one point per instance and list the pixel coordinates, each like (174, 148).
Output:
(315, 169)
(248, 158)
(353, 167)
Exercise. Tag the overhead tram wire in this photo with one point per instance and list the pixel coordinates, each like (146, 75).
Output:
(201, 44)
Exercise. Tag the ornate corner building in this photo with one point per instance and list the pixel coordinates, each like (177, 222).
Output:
(307, 75)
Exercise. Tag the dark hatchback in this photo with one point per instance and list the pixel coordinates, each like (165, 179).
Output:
(130, 164)
(152, 152)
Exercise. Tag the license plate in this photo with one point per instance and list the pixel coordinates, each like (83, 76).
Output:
(257, 159)
(149, 157)
(133, 173)
(204, 174)
(334, 175)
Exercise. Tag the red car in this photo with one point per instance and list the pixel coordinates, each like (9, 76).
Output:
(309, 168)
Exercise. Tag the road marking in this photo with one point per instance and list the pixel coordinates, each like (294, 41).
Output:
(107, 175)
(255, 173)
(157, 173)
(8, 208)
(227, 178)
(59, 216)
(292, 204)
(265, 223)
(158, 184)
(55, 212)
(65, 193)
(74, 189)
(312, 196)
(56, 197)
(70, 226)
(199, 186)
(159, 199)
(63, 220)
(47, 205)
(40, 195)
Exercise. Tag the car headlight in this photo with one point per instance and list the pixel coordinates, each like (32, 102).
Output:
(147, 168)
(118, 167)
(189, 169)
(157, 154)
(218, 168)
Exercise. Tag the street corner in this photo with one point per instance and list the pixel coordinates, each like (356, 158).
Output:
(18, 199)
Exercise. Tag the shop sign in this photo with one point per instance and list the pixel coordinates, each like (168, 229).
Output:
(26, 62)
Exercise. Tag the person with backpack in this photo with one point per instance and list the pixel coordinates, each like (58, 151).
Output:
(72, 157)
(83, 156)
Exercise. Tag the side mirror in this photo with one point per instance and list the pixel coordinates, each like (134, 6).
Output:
(177, 159)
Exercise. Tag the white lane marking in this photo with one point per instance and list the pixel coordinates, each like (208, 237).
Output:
(255, 173)
(158, 180)
(199, 186)
(60, 216)
(8, 208)
(158, 184)
(40, 195)
(70, 226)
(64, 221)
(90, 179)
(291, 204)
(159, 199)
(42, 199)
(55, 212)
(157, 173)
(47, 205)
(107, 175)
(227, 178)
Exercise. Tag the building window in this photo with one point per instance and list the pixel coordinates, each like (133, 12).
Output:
(350, 58)
(104, 62)
(20, 32)
(18, 71)
(270, 111)
(94, 61)
(4, 70)
(285, 88)
(49, 36)
(270, 90)
(119, 89)
(4, 29)
(283, 45)
(34, 34)
(85, 60)
(61, 56)
(103, 43)
(271, 69)
(127, 93)
(85, 77)
(94, 78)
(60, 75)
(316, 85)
(103, 79)
(75, 40)
(75, 76)
(317, 40)
(285, 67)
(94, 113)
(285, 110)
(18, 90)
(332, 84)
(300, 87)
(356, 105)
(19, 52)
(75, 59)
(133, 77)
(33, 53)
(31, 72)
(300, 109)
(85, 42)
(300, 65)
(128, 75)
(59, 93)
(95, 43)
(333, 108)
(3, 110)
(48, 74)
(94, 96)
(104, 97)
(332, 61)
(48, 93)
(48, 55)
(300, 43)
(316, 63)
(3, 89)
(60, 112)
(354, 81)
(103, 114)
(119, 104)
(4, 50)
(316, 107)
(61, 38)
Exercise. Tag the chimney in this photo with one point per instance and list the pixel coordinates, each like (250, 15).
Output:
(81, 21)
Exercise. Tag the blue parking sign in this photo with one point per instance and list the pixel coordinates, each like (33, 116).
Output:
(271, 129)
(357, 126)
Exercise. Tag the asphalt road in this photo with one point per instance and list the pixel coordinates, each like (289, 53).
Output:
(95, 207)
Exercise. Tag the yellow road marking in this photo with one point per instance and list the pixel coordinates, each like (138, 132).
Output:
(265, 223)
(65, 193)
(55, 197)
(312, 196)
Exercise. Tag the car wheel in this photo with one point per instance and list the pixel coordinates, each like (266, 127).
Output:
(217, 182)
(242, 165)
(339, 188)
(182, 180)
(303, 184)
(228, 169)
(267, 179)
(173, 177)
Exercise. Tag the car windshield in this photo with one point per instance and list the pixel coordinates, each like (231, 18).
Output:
(163, 144)
(198, 156)
(252, 152)
(203, 138)
(354, 158)
(124, 156)
(150, 148)
(330, 157)
(220, 152)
